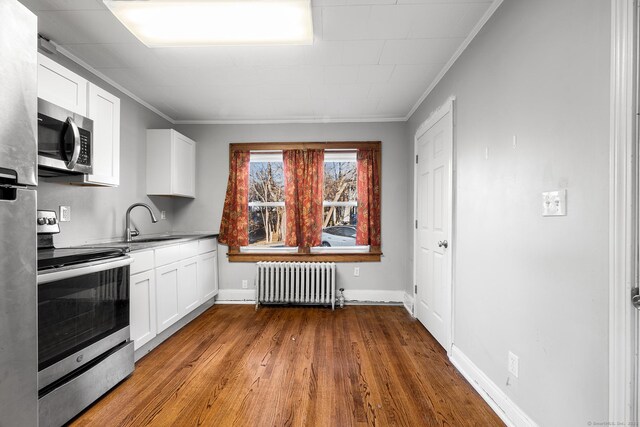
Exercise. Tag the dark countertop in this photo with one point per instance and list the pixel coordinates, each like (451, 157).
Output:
(140, 243)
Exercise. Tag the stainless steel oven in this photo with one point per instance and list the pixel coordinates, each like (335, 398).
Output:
(84, 346)
(65, 143)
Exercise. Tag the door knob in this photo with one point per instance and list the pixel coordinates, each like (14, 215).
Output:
(635, 299)
(443, 244)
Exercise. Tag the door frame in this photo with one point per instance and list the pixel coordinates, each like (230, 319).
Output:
(623, 214)
(434, 117)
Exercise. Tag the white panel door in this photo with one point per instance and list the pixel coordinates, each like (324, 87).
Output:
(167, 307)
(433, 213)
(188, 293)
(184, 166)
(208, 275)
(104, 110)
(143, 308)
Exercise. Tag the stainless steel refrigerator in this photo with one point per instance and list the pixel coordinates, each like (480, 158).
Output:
(18, 180)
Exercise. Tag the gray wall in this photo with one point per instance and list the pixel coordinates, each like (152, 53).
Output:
(536, 286)
(203, 213)
(97, 213)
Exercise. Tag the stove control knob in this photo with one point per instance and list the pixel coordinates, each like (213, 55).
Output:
(51, 221)
(42, 221)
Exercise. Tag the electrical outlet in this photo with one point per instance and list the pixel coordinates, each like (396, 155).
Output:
(163, 214)
(512, 364)
(245, 284)
(554, 203)
(356, 271)
(65, 213)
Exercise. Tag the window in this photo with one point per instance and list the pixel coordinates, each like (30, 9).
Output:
(340, 216)
(266, 200)
(272, 173)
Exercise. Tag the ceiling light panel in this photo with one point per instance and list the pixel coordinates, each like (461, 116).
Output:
(165, 23)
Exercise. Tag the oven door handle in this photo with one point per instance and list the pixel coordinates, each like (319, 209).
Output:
(95, 267)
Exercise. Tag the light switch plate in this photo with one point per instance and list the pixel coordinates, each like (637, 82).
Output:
(554, 203)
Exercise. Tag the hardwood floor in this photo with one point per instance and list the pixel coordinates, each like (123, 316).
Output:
(233, 366)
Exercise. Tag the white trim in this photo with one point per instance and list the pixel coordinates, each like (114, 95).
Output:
(434, 117)
(340, 249)
(248, 296)
(266, 204)
(262, 249)
(236, 296)
(472, 35)
(622, 216)
(106, 79)
(501, 404)
(287, 120)
(257, 156)
(339, 204)
(373, 295)
(408, 303)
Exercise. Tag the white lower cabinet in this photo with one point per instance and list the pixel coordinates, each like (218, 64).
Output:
(169, 282)
(143, 308)
(208, 275)
(188, 295)
(167, 306)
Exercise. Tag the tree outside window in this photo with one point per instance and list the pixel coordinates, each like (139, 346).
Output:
(266, 200)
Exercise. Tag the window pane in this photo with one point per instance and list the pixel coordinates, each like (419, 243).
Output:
(340, 226)
(266, 226)
(339, 222)
(340, 181)
(266, 182)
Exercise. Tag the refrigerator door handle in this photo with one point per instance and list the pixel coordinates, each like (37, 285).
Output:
(76, 143)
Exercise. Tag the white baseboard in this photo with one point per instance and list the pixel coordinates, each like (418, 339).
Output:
(372, 295)
(408, 303)
(501, 404)
(248, 296)
(236, 296)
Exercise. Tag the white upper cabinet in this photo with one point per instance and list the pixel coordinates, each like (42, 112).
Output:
(171, 164)
(68, 90)
(60, 86)
(104, 109)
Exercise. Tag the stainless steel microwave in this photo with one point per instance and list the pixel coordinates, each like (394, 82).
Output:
(65, 143)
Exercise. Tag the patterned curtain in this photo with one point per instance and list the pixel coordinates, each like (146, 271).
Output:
(368, 229)
(303, 177)
(234, 227)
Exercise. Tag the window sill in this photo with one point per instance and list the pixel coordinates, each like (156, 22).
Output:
(239, 256)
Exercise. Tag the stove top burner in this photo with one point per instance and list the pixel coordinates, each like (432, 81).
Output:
(58, 257)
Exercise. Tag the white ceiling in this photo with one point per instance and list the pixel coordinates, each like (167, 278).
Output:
(371, 60)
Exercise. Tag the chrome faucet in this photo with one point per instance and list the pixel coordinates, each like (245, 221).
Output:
(129, 234)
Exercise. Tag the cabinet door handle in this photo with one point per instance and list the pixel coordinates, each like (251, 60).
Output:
(443, 244)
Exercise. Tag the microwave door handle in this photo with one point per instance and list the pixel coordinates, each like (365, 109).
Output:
(76, 143)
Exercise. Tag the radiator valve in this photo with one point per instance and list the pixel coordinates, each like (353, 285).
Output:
(341, 298)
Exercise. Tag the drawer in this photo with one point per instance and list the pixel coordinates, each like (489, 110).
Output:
(167, 255)
(207, 245)
(187, 250)
(142, 261)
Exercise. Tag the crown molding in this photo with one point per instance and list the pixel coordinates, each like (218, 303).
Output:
(292, 120)
(302, 120)
(472, 35)
(122, 89)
